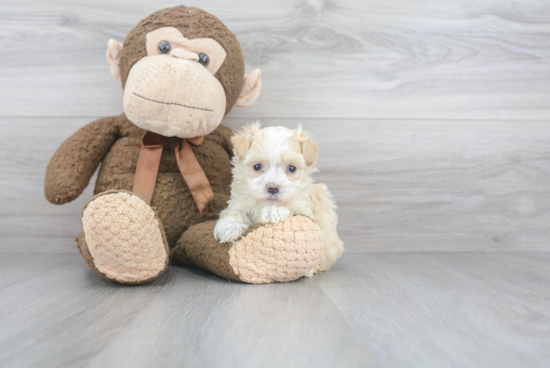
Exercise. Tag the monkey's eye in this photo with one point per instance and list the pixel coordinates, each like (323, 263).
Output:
(291, 168)
(164, 47)
(257, 167)
(204, 59)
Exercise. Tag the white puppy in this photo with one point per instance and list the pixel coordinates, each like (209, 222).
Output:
(272, 182)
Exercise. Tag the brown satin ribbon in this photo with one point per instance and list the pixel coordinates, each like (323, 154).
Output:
(149, 162)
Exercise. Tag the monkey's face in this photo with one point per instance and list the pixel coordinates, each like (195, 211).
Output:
(172, 91)
(182, 71)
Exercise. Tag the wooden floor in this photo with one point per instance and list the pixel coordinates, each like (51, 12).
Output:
(433, 118)
(392, 309)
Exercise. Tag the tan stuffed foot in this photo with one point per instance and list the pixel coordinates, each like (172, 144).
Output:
(122, 238)
(267, 253)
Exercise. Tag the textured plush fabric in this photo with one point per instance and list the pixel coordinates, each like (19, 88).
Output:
(76, 160)
(277, 252)
(117, 141)
(193, 23)
(124, 238)
(186, 97)
(198, 247)
(266, 253)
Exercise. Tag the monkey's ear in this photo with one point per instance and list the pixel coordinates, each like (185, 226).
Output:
(114, 52)
(251, 88)
(310, 148)
(242, 140)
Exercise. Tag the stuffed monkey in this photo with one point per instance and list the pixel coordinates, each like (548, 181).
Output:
(165, 162)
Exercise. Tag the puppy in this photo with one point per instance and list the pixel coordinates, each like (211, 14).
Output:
(272, 181)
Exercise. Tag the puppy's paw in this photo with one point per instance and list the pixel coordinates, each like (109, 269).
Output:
(275, 214)
(229, 229)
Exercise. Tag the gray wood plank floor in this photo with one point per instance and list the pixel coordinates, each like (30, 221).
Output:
(401, 309)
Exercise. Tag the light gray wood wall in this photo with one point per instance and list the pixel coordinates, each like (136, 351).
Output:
(433, 116)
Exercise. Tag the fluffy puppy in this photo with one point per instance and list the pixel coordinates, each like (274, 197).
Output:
(272, 181)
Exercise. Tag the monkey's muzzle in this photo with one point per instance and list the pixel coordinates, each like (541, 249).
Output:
(173, 97)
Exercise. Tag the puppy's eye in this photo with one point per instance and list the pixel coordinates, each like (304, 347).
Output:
(164, 47)
(291, 168)
(257, 167)
(203, 59)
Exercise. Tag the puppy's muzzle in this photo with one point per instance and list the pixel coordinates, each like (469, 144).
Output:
(272, 188)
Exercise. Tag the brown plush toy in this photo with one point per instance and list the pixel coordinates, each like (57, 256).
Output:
(165, 162)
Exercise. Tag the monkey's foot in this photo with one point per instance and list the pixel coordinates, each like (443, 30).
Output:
(122, 238)
(277, 252)
(273, 252)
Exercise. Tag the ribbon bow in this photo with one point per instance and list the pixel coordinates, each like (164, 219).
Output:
(149, 162)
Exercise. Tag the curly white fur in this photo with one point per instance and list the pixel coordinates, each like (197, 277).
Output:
(277, 150)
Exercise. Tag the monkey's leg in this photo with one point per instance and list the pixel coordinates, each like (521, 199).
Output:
(122, 238)
(267, 253)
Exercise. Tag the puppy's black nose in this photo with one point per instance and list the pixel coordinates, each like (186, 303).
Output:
(272, 188)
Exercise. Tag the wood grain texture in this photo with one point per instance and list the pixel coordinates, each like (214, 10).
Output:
(449, 59)
(400, 185)
(380, 310)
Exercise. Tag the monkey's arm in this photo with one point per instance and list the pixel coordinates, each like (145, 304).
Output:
(76, 160)
(224, 133)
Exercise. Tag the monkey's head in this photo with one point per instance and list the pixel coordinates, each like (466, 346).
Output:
(182, 71)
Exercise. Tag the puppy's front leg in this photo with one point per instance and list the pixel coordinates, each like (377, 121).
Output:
(231, 226)
(275, 214)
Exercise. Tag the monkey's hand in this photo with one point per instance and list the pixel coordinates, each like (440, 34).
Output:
(229, 229)
(76, 160)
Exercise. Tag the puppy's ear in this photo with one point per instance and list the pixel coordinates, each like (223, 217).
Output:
(242, 140)
(310, 148)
